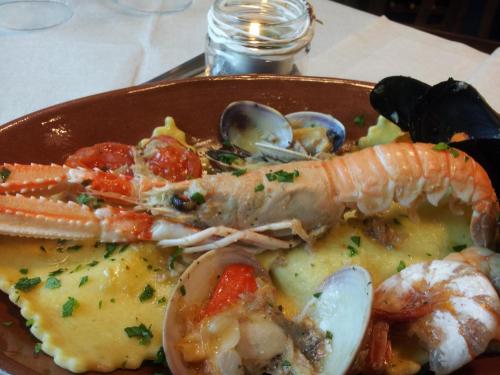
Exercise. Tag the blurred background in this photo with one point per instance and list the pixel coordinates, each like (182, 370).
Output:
(473, 22)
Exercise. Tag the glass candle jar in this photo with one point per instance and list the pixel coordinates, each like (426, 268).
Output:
(258, 36)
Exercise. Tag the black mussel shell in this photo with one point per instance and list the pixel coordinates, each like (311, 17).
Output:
(487, 153)
(453, 107)
(395, 98)
(434, 114)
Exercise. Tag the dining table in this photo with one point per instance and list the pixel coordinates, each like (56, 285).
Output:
(104, 46)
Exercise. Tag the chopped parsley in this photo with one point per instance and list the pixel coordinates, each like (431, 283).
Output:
(239, 172)
(352, 251)
(29, 322)
(198, 198)
(83, 281)
(143, 333)
(174, 257)
(147, 293)
(401, 266)
(4, 174)
(7, 323)
(396, 221)
(74, 248)
(227, 158)
(282, 176)
(441, 146)
(69, 306)
(182, 290)
(24, 271)
(356, 240)
(56, 272)
(93, 263)
(43, 248)
(458, 248)
(110, 249)
(38, 347)
(259, 187)
(328, 335)
(160, 357)
(428, 254)
(52, 283)
(123, 248)
(161, 301)
(317, 295)
(77, 268)
(89, 200)
(25, 284)
(100, 304)
(286, 363)
(359, 120)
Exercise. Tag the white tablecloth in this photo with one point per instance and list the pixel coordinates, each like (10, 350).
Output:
(103, 47)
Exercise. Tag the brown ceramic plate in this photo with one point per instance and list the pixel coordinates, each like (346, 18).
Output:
(129, 115)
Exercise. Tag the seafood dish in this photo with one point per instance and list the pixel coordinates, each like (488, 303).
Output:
(283, 247)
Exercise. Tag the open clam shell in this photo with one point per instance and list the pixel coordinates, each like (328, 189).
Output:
(193, 288)
(306, 126)
(245, 122)
(343, 308)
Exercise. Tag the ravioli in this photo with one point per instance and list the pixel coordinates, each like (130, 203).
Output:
(103, 289)
(433, 235)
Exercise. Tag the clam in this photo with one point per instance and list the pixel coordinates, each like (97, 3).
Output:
(344, 309)
(266, 133)
(192, 290)
(245, 122)
(336, 318)
(317, 132)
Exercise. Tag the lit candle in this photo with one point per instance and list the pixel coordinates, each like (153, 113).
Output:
(257, 36)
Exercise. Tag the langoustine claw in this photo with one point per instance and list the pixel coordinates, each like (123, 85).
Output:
(450, 306)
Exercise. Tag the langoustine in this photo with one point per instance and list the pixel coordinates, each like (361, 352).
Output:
(302, 198)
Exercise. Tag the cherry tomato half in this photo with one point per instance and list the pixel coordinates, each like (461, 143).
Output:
(236, 279)
(168, 158)
(105, 156)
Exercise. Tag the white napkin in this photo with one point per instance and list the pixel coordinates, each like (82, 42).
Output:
(385, 48)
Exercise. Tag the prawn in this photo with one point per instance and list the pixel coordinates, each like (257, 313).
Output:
(450, 306)
(303, 199)
(485, 260)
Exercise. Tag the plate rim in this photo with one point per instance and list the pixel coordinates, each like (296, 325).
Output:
(159, 85)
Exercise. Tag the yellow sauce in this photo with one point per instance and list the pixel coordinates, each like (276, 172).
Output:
(93, 338)
(431, 236)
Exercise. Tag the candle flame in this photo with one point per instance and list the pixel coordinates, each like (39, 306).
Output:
(254, 29)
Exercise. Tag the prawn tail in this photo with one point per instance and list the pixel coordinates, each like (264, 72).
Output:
(483, 224)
